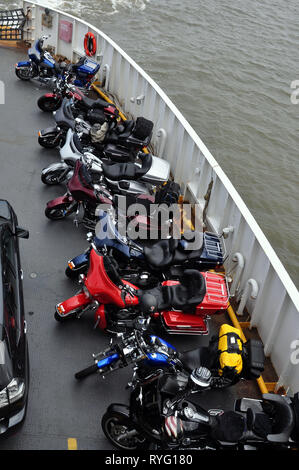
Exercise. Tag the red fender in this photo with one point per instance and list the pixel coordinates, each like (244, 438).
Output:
(78, 300)
(60, 200)
(90, 44)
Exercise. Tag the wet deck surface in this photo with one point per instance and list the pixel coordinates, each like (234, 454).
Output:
(59, 407)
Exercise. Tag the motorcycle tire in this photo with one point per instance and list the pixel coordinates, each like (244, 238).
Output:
(59, 212)
(49, 142)
(51, 178)
(119, 420)
(75, 273)
(23, 73)
(86, 372)
(68, 317)
(48, 104)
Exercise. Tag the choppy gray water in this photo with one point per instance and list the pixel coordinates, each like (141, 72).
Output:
(228, 66)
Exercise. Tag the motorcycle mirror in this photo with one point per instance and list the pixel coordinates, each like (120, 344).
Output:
(89, 236)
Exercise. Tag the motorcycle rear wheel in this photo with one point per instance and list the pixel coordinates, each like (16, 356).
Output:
(48, 104)
(60, 211)
(114, 425)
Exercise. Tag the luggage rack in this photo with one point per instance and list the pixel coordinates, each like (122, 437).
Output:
(215, 247)
(11, 25)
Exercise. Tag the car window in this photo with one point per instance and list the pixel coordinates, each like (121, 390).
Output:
(10, 282)
(9, 248)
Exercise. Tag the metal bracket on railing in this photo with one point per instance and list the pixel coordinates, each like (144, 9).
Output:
(239, 259)
(162, 136)
(106, 70)
(139, 99)
(227, 230)
(251, 286)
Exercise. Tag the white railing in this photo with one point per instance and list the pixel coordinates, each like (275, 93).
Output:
(274, 305)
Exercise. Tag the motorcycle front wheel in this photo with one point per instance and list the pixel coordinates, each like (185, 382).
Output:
(48, 103)
(75, 273)
(121, 432)
(68, 317)
(60, 211)
(51, 141)
(24, 73)
(53, 177)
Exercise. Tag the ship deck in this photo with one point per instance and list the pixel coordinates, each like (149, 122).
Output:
(59, 408)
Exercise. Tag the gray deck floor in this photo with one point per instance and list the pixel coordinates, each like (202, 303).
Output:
(59, 408)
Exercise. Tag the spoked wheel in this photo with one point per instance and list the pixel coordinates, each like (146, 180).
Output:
(121, 432)
(53, 177)
(48, 103)
(49, 141)
(60, 211)
(24, 73)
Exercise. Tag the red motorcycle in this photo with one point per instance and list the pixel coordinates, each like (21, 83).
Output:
(81, 192)
(179, 307)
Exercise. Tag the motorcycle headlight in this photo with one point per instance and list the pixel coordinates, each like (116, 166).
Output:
(13, 392)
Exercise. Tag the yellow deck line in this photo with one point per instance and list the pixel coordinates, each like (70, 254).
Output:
(72, 443)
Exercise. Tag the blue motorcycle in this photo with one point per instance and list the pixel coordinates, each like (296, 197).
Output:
(146, 351)
(144, 265)
(44, 68)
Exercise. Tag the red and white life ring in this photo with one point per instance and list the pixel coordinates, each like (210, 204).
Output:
(90, 44)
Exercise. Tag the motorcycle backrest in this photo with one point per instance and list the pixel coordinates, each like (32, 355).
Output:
(284, 418)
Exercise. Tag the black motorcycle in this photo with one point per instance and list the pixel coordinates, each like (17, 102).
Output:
(68, 117)
(162, 415)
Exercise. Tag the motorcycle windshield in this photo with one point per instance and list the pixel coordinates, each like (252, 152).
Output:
(64, 116)
(107, 230)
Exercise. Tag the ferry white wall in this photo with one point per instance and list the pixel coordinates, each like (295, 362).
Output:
(270, 296)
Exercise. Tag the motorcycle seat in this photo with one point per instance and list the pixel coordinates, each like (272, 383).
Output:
(89, 103)
(121, 131)
(161, 253)
(195, 358)
(129, 171)
(183, 296)
(172, 252)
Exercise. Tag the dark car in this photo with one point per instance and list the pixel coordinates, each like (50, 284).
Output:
(14, 362)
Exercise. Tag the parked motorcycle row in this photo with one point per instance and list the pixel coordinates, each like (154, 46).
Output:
(139, 290)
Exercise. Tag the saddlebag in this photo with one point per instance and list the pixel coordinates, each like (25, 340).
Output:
(254, 359)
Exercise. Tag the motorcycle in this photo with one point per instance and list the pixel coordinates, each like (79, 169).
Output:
(92, 170)
(65, 119)
(147, 352)
(176, 307)
(75, 136)
(43, 67)
(158, 261)
(162, 415)
(86, 189)
(81, 193)
(65, 88)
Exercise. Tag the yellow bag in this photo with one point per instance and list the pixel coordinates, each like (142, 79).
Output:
(230, 348)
